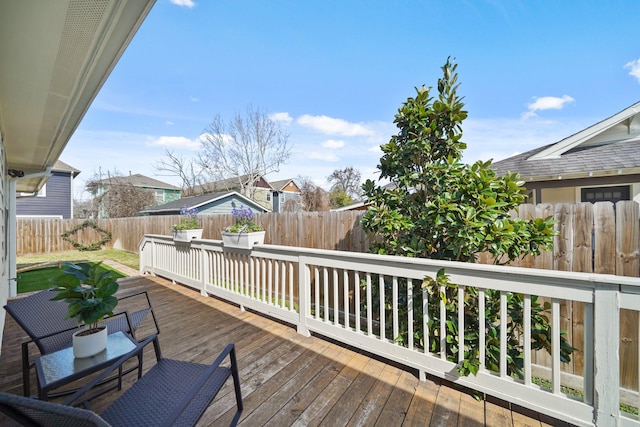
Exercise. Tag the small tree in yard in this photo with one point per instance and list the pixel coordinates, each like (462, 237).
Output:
(443, 209)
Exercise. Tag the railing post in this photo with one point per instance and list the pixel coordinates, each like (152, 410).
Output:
(304, 296)
(606, 381)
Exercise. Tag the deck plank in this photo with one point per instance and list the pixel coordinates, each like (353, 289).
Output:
(286, 378)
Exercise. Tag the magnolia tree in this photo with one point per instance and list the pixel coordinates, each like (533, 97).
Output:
(441, 208)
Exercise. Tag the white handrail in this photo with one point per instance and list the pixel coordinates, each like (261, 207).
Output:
(336, 293)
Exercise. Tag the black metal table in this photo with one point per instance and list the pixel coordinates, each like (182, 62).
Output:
(61, 367)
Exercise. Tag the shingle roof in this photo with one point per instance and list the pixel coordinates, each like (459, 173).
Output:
(196, 201)
(619, 155)
(138, 180)
(63, 167)
(279, 185)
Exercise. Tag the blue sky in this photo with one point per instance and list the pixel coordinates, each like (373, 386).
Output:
(334, 72)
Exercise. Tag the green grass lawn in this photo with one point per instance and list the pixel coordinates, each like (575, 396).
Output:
(44, 278)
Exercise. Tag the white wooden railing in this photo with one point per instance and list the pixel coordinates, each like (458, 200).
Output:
(332, 293)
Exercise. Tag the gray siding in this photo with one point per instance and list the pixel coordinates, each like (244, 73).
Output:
(56, 202)
(225, 206)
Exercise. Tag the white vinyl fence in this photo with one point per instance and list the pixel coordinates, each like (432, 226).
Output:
(378, 304)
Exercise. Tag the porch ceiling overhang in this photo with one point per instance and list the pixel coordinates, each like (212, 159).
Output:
(54, 58)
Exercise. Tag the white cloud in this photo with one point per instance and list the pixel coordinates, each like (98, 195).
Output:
(169, 123)
(185, 3)
(194, 99)
(546, 103)
(333, 144)
(634, 68)
(331, 126)
(325, 157)
(175, 142)
(281, 117)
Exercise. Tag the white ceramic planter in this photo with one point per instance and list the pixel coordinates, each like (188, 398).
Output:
(242, 240)
(187, 235)
(89, 345)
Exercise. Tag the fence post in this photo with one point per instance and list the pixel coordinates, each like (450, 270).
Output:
(304, 296)
(606, 381)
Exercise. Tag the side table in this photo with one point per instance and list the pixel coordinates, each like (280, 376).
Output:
(56, 369)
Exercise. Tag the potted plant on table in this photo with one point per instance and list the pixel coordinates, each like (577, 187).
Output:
(245, 232)
(89, 292)
(189, 226)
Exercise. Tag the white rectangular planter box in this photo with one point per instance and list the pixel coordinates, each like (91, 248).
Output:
(242, 240)
(187, 235)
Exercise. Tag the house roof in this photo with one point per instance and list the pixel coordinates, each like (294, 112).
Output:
(138, 180)
(610, 147)
(281, 184)
(61, 166)
(54, 58)
(226, 184)
(201, 200)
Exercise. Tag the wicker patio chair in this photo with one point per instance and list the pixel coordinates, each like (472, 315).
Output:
(172, 392)
(44, 321)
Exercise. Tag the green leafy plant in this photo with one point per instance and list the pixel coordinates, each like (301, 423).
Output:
(441, 208)
(95, 246)
(189, 220)
(89, 292)
(244, 221)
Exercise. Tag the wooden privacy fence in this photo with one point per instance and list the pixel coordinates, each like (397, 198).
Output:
(320, 230)
(597, 238)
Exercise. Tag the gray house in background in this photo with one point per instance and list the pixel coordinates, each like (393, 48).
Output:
(207, 204)
(55, 198)
(599, 163)
(286, 196)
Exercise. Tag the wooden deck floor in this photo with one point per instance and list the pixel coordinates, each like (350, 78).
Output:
(286, 378)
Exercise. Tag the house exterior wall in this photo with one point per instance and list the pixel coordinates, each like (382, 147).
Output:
(57, 202)
(225, 206)
(569, 191)
(263, 197)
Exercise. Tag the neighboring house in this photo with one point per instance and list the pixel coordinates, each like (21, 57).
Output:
(54, 58)
(260, 191)
(287, 196)
(55, 197)
(163, 192)
(207, 204)
(599, 163)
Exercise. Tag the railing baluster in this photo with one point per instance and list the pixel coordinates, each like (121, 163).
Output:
(443, 326)
(270, 280)
(356, 299)
(588, 354)
(394, 305)
(555, 345)
(482, 327)
(460, 323)
(369, 311)
(325, 288)
(526, 319)
(276, 282)
(425, 320)
(503, 334)
(345, 297)
(383, 325)
(410, 312)
(316, 276)
(336, 298)
(291, 275)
